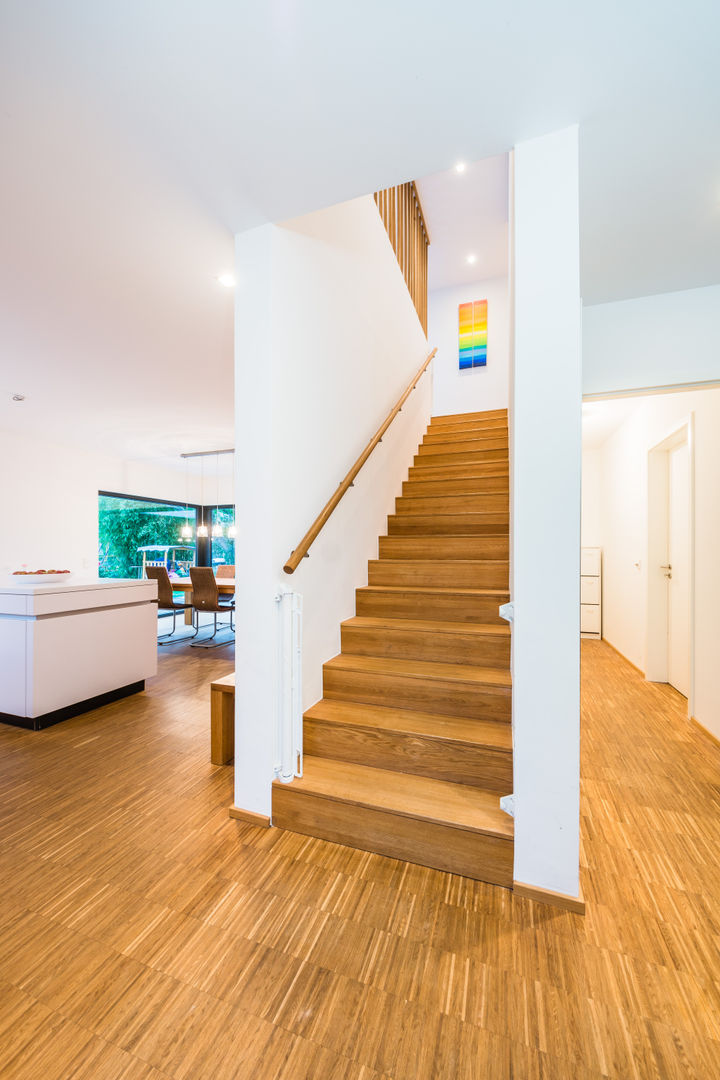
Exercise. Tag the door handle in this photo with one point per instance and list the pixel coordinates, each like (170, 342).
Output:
(668, 570)
(668, 567)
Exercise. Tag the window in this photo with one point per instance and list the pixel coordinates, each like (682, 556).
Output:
(135, 532)
(223, 548)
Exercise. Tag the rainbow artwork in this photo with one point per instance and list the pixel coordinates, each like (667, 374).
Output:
(472, 321)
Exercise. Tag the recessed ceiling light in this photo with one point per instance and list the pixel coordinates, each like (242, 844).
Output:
(471, 259)
(228, 280)
(460, 167)
(18, 397)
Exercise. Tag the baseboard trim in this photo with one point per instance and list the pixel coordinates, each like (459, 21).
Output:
(623, 657)
(705, 731)
(250, 816)
(547, 896)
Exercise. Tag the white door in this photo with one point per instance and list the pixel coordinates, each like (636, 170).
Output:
(679, 560)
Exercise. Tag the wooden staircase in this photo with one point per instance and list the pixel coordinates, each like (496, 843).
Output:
(410, 748)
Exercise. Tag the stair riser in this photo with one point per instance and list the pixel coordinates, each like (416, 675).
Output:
(445, 437)
(455, 418)
(476, 485)
(427, 695)
(479, 469)
(459, 609)
(457, 851)
(421, 755)
(463, 446)
(444, 547)
(484, 650)
(473, 426)
(439, 574)
(448, 524)
(452, 504)
(465, 457)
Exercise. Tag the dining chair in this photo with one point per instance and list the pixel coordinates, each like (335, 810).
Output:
(224, 571)
(166, 602)
(205, 597)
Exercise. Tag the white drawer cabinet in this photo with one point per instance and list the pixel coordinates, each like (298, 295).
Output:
(590, 619)
(591, 592)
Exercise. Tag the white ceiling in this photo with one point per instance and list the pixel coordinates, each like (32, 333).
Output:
(138, 137)
(466, 213)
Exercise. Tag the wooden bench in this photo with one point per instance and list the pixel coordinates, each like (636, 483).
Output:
(222, 720)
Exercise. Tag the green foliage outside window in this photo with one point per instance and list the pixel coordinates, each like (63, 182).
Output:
(223, 548)
(128, 524)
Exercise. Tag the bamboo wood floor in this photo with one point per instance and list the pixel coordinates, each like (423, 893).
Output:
(145, 935)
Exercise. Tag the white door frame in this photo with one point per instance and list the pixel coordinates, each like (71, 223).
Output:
(656, 646)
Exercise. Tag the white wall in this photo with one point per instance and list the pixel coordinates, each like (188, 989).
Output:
(623, 501)
(546, 512)
(591, 519)
(50, 493)
(474, 389)
(665, 340)
(327, 339)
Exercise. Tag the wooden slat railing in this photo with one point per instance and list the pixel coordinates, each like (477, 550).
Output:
(403, 218)
(299, 553)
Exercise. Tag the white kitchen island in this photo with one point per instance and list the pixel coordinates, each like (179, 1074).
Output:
(68, 646)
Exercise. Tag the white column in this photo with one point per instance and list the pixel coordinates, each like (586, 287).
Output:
(256, 616)
(546, 473)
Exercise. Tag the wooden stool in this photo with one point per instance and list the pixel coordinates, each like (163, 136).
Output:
(222, 720)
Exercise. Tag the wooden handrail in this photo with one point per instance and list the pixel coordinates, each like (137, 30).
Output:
(299, 553)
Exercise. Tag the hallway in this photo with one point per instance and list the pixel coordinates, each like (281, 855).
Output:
(145, 935)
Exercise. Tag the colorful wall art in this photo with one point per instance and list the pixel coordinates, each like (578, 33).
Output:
(472, 320)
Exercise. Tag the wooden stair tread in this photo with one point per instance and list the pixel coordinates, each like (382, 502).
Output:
(434, 626)
(456, 500)
(421, 669)
(455, 806)
(470, 472)
(489, 414)
(405, 590)
(436, 564)
(488, 733)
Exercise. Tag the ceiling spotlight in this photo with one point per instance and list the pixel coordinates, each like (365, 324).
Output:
(18, 397)
(460, 167)
(471, 259)
(228, 280)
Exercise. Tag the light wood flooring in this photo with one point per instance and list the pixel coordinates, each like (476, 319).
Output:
(144, 934)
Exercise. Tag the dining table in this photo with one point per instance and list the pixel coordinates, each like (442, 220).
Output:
(226, 587)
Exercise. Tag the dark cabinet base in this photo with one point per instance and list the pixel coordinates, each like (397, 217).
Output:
(37, 723)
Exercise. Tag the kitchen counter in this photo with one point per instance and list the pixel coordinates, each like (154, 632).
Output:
(67, 646)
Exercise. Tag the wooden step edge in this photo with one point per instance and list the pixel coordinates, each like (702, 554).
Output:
(494, 470)
(440, 489)
(358, 665)
(488, 423)
(447, 590)
(435, 563)
(453, 437)
(488, 414)
(367, 774)
(500, 529)
(370, 622)
(462, 498)
(432, 450)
